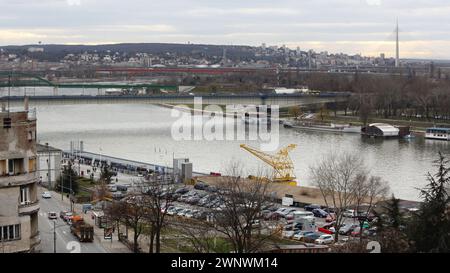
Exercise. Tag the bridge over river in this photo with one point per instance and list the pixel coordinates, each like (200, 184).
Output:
(92, 94)
(283, 100)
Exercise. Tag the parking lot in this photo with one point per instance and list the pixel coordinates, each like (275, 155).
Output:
(199, 202)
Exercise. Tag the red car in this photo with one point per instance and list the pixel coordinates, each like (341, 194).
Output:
(326, 231)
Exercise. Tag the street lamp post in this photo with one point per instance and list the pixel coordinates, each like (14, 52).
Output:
(54, 236)
(62, 187)
(48, 164)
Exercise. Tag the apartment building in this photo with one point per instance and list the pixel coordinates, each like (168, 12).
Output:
(19, 203)
(49, 165)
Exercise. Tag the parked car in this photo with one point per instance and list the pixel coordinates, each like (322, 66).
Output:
(203, 201)
(329, 225)
(271, 216)
(121, 188)
(356, 232)
(319, 213)
(331, 217)
(200, 186)
(372, 231)
(350, 213)
(286, 212)
(324, 239)
(288, 234)
(182, 191)
(311, 237)
(365, 230)
(193, 200)
(293, 226)
(68, 216)
(211, 189)
(280, 211)
(330, 209)
(301, 234)
(183, 212)
(46, 195)
(312, 207)
(62, 214)
(171, 210)
(52, 215)
(178, 211)
(189, 214)
(347, 229)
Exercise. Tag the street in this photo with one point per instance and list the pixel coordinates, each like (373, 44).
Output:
(65, 241)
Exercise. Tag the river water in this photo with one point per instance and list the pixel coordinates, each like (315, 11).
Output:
(143, 132)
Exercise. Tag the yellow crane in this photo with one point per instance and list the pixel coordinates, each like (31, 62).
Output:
(280, 162)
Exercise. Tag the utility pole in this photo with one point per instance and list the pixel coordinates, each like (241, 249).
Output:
(48, 164)
(397, 47)
(62, 187)
(54, 236)
(70, 190)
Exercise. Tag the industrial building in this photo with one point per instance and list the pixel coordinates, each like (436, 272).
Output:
(385, 130)
(18, 181)
(182, 170)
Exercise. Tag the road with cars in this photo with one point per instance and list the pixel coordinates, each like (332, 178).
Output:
(65, 241)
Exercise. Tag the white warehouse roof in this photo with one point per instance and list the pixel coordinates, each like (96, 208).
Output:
(387, 129)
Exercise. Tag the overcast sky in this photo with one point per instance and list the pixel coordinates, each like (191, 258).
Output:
(349, 26)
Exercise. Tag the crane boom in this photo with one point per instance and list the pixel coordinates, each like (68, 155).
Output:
(280, 162)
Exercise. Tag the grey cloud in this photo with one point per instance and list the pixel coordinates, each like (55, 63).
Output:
(251, 22)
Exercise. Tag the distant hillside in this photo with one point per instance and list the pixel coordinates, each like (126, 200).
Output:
(54, 52)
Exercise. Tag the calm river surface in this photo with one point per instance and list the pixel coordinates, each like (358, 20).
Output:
(143, 133)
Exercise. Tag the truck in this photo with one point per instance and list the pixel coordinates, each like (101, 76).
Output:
(82, 230)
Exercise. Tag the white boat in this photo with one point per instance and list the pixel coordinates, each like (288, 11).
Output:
(438, 133)
(339, 128)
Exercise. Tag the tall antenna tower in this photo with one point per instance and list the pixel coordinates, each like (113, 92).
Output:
(397, 47)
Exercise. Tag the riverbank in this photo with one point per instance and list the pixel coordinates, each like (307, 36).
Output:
(417, 126)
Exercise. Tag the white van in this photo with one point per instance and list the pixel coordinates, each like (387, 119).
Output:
(306, 218)
(301, 214)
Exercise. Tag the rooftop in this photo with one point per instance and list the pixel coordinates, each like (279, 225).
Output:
(385, 127)
(44, 148)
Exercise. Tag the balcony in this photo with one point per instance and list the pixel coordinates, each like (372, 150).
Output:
(29, 208)
(18, 179)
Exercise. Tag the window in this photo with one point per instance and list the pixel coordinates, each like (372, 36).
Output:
(6, 123)
(17, 231)
(32, 165)
(4, 231)
(24, 195)
(11, 232)
(11, 166)
(8, 233)
(31, 135)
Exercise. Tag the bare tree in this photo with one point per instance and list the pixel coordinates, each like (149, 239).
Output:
(368, 191)
(335, 177)
(200, 236)
(130, 211)
(158, 198)
(295, 111)
(239, 218)
(238, 221)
